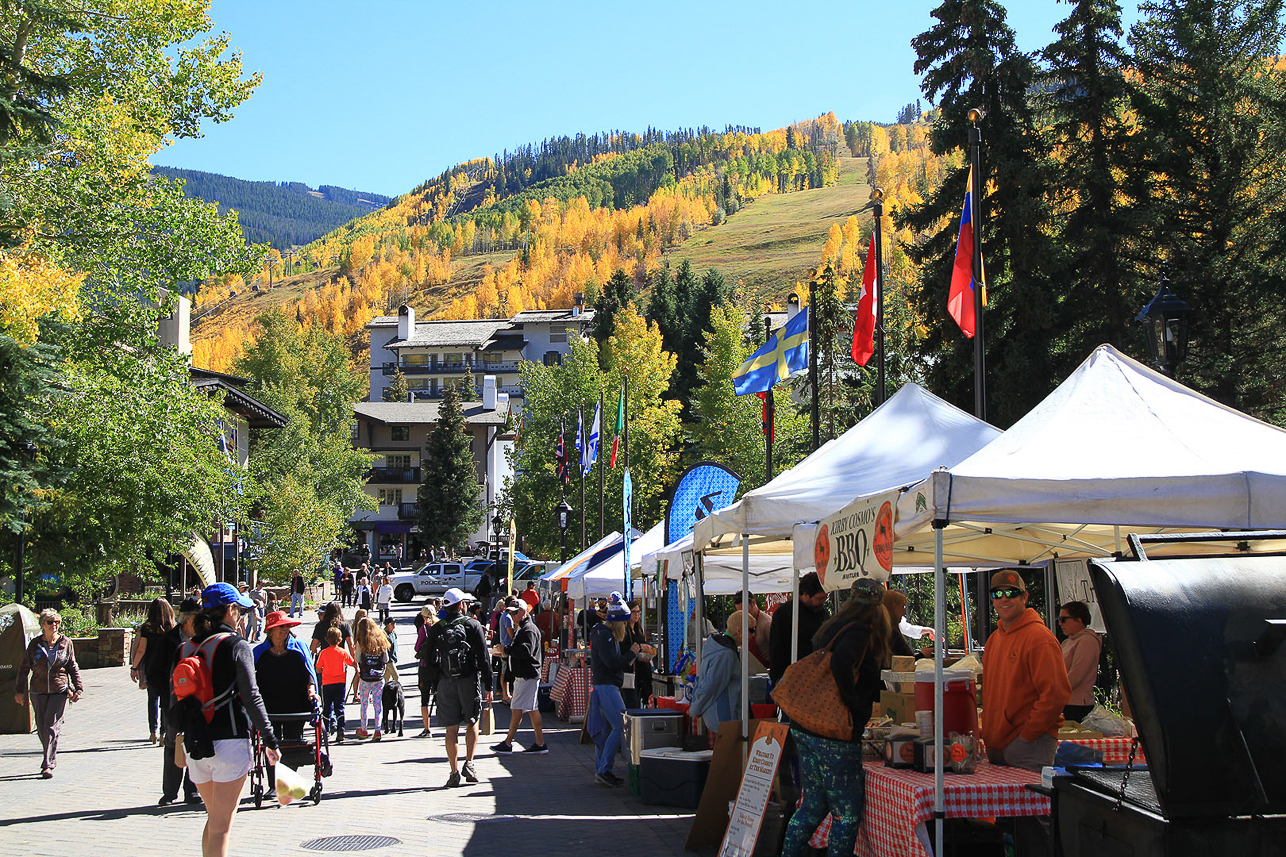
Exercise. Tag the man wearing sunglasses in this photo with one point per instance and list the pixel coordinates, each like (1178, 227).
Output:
(1024, 682)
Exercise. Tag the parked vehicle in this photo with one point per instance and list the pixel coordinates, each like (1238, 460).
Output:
(435, 578)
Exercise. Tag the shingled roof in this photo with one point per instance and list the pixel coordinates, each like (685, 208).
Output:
(425, 413)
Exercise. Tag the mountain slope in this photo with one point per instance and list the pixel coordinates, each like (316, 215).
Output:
(278, 214)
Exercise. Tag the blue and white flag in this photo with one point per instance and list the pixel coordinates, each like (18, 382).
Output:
(627, 500)
(591, 455)
(580, 440)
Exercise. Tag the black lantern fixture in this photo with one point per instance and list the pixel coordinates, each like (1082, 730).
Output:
(563, 515)
(1166, 316)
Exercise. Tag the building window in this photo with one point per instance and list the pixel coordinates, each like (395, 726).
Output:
(417, 383)
(452, 359)
(397, 433)
(557, 335)
(553, 358)
(490, 358)
(415, 360)
(397, 462)
(389, 543)
(390, 496)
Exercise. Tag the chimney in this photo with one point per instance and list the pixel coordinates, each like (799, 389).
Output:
(489, 392)
(405, 322)
(579, 305)
(792, 306)
(174, 328)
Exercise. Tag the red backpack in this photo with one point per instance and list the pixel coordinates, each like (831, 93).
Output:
(194, 675)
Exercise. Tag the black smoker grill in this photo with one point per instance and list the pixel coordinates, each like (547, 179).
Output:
(1198, 643)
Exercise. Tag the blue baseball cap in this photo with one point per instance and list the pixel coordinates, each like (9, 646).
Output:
(219, 594)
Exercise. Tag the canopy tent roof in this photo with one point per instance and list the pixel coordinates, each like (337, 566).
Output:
(1116, 449)
(604, 575)
(553, 580)
(898, 443)
(770, 567)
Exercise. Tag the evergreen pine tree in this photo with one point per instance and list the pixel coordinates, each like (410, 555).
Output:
(1085, 95)
(662, 308)
(1210, 110)
(968, 59)
(707, 294)
(397, 389)
(449, 504)
(618, 291)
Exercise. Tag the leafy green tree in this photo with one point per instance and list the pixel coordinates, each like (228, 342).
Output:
(308, 477)
(1095, 181)
(28, 445)
(449, 503)
(728, 428)
(1210, 107)
(553, 393)
(968, 59)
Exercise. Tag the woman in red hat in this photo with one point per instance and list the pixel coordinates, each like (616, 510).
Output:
(285, 675)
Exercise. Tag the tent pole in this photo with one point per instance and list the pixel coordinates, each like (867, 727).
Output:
(794, 617)
(745, 647)
(939, 633)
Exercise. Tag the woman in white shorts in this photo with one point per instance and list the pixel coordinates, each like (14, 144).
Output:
(221, 777)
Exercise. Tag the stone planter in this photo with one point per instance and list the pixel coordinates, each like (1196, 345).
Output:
(86, 652)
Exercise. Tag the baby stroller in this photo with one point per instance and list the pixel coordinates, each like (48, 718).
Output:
(312, 749)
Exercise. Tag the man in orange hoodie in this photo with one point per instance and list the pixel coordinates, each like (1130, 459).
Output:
(1024, 681)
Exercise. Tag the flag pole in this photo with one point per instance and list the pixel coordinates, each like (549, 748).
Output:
(979, 348)
(878, 196)
(601, 517)
(580, 467)
(768, 409)
(812, 359)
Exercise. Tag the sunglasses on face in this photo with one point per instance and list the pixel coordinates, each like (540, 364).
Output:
(1011, 592)
(1064, 618)
(53, 621)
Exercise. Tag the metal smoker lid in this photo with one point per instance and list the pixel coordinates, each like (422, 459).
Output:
(1203, 667)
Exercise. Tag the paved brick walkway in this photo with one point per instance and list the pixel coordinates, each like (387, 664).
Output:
(103, 799)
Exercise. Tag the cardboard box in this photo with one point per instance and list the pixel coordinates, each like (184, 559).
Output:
(900, 707)
(903, 663)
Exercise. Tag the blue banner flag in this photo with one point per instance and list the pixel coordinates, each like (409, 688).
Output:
(706, 487)
(785, 353)
(627, 500)
(592, 455)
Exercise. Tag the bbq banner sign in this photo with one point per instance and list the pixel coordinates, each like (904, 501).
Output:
(856, 542)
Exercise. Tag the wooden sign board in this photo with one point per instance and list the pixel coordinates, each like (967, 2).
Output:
(756, 788)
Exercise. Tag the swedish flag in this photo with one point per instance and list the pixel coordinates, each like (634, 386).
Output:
(785, 353)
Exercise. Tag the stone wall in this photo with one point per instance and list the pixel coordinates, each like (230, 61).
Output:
(109, 649)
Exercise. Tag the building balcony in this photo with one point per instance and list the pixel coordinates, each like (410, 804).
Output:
(396, 475)
(406, 512)
(435, 395)
(511, 368)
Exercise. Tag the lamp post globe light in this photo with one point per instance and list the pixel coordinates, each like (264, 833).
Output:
(1166, 317)
(563, 516)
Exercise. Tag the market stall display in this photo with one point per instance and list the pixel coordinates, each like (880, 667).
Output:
(899, 805)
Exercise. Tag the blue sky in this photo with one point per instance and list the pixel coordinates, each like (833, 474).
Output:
(382, 95)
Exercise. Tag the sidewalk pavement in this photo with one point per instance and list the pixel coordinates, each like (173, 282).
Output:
(102, 800)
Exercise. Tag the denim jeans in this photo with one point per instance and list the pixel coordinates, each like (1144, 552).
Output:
(606, 719)
(296, 603)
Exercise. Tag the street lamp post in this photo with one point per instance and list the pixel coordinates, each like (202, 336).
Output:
(1166, 316)
(563, 515)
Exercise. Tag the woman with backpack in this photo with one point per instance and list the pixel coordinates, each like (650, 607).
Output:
(221, 776)
(370, 673)
(857, 642)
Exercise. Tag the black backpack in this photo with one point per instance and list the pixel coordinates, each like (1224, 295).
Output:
(455, 655)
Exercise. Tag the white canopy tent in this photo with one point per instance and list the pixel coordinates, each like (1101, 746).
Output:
(898, 443)
(608, 575)
(1117, 448)
(770, 571)
(552, 582)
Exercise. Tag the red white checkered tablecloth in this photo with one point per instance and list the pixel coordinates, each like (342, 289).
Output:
(899, 800)
(571, 691)
(1116, 751)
